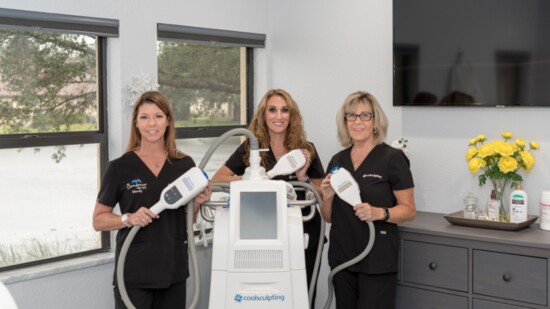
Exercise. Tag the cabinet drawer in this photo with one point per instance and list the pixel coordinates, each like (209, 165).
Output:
(484, 304)
(435, 265)
(510, 276)
(412, 298)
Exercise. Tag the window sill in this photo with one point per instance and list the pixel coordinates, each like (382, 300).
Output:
(34, 272)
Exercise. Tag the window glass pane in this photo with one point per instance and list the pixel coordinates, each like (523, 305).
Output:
(48, 82)
(47, 203)
(197, 148)
(206, 84)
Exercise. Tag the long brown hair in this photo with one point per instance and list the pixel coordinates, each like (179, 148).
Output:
(162, 102)
(295, 135)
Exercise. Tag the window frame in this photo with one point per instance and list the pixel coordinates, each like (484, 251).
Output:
(102, 29)
(216, 37)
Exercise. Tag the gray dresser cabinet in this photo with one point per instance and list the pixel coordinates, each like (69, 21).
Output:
(443, 266)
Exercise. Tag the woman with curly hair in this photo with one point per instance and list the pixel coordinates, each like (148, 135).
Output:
(278, 126)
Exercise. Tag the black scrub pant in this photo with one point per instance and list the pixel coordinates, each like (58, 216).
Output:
(361, 291)
(169, 298)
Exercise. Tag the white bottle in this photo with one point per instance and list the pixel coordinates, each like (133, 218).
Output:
(493, 207)
(518, 205)
(545, 210)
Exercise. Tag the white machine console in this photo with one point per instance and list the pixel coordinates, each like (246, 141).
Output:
(258, 251)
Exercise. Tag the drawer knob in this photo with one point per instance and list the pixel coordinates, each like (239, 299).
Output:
(506, 277)
(433, 265)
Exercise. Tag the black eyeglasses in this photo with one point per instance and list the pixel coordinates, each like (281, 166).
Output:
(362, 116)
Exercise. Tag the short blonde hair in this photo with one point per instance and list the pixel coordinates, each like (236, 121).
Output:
(378, 116)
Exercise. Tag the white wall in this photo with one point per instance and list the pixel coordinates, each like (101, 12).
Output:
(324, 50)
(320, 51)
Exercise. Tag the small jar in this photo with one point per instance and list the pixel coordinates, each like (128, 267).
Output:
(470, 206)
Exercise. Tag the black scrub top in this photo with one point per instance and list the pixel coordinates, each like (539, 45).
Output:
(384, 170)
(157, 257)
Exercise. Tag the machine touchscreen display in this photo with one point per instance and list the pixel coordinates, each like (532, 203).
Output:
(258, 215)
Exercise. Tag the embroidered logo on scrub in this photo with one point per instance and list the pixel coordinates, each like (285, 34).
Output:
(136, 186)
(372, 176)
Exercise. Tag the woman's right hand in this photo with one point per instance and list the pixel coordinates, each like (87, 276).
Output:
(326, 188)
(328, 196)
(142, 217)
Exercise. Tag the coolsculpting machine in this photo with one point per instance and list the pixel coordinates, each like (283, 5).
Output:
(258, 252)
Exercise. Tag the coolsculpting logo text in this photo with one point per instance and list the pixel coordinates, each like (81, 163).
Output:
(259, 298)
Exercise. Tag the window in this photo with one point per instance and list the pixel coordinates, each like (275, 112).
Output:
(53, 134)
(208, 76)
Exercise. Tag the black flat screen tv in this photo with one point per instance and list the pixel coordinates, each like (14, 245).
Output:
(471, 52)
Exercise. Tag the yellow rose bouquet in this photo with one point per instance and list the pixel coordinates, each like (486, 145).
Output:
(499, 161)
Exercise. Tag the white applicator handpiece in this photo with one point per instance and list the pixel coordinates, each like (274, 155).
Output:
(181, 190)
(288, 164)
(345, 186)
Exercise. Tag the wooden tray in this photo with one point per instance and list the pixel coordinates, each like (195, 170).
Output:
(457, 218)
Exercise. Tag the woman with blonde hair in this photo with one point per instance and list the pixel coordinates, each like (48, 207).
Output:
(386, 188)
(156, 269)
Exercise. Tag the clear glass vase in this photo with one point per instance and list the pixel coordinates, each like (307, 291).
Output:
(500, 186)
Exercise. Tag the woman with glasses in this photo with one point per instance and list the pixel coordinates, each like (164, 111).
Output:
(278, 126)
(387, 196)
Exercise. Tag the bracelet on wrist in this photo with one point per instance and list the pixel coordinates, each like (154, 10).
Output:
(125, 220)
(307, 180)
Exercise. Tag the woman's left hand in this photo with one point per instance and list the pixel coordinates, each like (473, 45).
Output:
(201, 199)
(203, 196)
(301, 174)
(366, 212)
